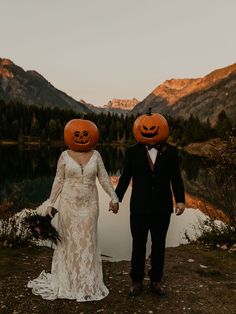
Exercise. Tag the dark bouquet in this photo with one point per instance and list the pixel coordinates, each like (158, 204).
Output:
(41, 227)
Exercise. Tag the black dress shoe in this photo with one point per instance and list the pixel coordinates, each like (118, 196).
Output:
(157, 288)
(135, 289)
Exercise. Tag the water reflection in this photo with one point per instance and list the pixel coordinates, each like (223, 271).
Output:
(27, 174)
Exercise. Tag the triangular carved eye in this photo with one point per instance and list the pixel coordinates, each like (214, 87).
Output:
(152, 128)
(145, 128)
(85, 133)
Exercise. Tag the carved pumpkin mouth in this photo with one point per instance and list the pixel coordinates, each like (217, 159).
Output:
(149, 135)
(81, 142)
(152, 134)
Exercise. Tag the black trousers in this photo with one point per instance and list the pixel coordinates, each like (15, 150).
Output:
(157, 224)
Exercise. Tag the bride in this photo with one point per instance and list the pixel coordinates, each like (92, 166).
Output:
(76, 270)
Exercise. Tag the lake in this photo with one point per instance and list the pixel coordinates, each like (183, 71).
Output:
(27, 175)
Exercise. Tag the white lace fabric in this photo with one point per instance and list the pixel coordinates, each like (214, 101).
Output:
(76, 271)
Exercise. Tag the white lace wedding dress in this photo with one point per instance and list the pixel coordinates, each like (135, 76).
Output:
(76, 271)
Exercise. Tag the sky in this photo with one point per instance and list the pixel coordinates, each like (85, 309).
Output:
(97, 50)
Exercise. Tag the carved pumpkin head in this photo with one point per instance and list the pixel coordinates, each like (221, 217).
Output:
(81, 135)
(150, 129)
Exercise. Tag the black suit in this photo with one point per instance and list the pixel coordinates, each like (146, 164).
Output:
(151, 203)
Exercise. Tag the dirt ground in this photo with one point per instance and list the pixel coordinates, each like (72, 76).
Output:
(197, 280)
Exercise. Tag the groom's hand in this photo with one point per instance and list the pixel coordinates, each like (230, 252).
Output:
(180, 207)
(49, 211)
(114, 207)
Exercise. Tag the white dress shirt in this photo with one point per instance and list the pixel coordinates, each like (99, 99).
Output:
(153, 154)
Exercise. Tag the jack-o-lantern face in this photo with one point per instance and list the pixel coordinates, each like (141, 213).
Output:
(151, 128)
(81, 135)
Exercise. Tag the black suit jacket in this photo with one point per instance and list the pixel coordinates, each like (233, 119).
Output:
(151, 189)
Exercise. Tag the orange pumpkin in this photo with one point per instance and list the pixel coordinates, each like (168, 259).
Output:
(81, 135)
(150, 129)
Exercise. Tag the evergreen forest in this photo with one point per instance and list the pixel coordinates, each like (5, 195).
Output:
(22, 123)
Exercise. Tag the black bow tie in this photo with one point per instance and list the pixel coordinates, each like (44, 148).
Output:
(152, 146)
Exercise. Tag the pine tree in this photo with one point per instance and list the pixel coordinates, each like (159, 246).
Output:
(223, 125)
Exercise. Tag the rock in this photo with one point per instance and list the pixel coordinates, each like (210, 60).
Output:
(233, 248)
(224, 247)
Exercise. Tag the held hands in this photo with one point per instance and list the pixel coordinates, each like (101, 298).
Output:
(49, 211)
(114, 207)
(180, 207)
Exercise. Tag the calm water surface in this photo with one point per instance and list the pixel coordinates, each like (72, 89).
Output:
(27, 174)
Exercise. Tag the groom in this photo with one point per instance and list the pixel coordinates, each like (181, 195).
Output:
(153, 166)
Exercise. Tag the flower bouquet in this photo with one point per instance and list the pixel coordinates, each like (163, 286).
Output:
(41, 228)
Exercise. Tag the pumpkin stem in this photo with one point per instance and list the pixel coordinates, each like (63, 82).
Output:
(149, 111)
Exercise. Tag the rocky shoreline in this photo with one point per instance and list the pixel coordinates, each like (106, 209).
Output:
(207, 148)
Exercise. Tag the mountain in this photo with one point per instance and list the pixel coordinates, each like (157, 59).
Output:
(124, 104)
(204, 97)
(91, 107)
(31, 88)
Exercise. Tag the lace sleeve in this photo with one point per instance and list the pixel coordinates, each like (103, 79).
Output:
(104, 179)
(58, 180)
